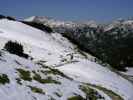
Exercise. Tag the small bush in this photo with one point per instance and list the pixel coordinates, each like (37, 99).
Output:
(91, 94)
(4, 79)
(110, 93)
(36, 90)
(25, 75)
(15, 48)
(77, 97)
(56, 72)
(48, 80)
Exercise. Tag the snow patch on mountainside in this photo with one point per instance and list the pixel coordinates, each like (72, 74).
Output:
(86, 71)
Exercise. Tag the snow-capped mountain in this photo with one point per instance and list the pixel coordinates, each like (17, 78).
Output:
(127, 24)
(69, 24)
(57, 23)
(58, 70)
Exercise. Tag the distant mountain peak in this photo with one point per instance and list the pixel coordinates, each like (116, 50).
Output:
(56, 23)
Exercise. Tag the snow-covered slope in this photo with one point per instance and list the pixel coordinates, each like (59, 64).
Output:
(36, 41)
(96, 74)
(51, 54)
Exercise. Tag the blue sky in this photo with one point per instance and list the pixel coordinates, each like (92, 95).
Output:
(99, 10)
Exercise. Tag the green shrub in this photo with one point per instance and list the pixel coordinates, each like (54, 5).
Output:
(15, 48)
(4, 79)
(57, 72)
(36, 90)
(25, 75)
(91, 94)
(38, 78)
(110, 93)
(77, 97)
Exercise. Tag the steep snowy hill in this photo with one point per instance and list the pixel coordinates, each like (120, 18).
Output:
(58, 71)
(103, 41)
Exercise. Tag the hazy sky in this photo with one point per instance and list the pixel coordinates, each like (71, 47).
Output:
(99, 10)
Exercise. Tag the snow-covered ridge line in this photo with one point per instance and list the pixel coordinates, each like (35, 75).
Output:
(70, 24)
(58, 23)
